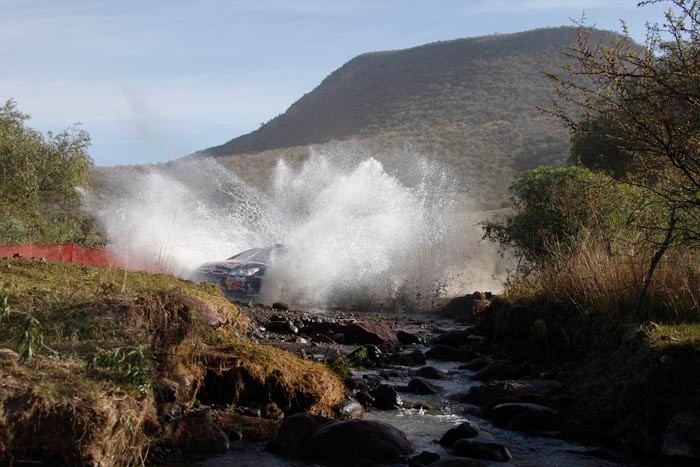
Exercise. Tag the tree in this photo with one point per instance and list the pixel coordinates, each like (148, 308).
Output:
(552, 207)
(39, 176)
(650, 97)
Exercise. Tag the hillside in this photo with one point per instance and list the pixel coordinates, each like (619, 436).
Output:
(471, 103)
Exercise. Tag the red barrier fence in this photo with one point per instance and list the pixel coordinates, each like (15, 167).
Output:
(68, 253)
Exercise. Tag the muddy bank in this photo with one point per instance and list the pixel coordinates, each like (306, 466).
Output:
(105, 367)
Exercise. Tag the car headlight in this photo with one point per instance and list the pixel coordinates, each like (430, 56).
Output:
(244, 272)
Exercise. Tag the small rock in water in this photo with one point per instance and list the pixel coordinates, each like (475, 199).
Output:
(369, 333)
(431, 372)
(350, 410)
(386, 397)
(407, 338)
(365, 398)
(475, 365)
(525, 417)
(455, 338)
(499, 369)
(414, 358)
(461, 431)
(449, 353)
(482, 450)
(424, 458)
(281, 327)
(280, 306)
(420, 385)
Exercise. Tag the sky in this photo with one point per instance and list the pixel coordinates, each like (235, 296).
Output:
(155, 80)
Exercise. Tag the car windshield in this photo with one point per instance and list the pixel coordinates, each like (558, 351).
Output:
(258, 255)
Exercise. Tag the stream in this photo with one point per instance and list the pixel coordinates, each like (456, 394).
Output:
(425, 427)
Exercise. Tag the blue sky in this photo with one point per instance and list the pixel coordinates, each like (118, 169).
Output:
(155, 80)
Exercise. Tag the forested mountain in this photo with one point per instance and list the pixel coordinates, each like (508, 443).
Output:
(470, 103)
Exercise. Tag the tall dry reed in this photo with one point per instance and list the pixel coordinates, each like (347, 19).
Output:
(595, 280)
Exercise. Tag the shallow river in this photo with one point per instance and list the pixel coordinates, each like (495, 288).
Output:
(425, 427)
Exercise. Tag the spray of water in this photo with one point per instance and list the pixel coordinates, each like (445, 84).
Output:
(354, 233)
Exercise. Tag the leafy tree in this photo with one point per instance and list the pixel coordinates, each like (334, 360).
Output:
(39, 176)
(555, 205)
(650, 97)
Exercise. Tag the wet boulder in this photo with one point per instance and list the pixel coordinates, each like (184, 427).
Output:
(350, 410)
(365, 398)
(477, 364)
(418, 385)
(369, 333)
(682, 436)
(280, 306)
(413, 358)
(281, 326)
(386, 397)
(499, 369)
(407, 338)
(525, 417)
(424, 458)
(293, 433)
(462, 431)
(449, 353)
(481, 450)
(366, 355)
(500, 392)
(431, 372)
(355, 440)
(456, 338)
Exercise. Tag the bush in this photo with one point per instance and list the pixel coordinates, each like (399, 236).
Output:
(553, 206)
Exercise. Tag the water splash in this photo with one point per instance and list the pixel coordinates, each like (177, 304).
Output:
(355, 233)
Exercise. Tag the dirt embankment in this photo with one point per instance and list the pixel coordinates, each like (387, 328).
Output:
(107, 367)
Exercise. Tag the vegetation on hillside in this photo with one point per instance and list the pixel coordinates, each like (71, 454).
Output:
(39, 179)
(471, 104)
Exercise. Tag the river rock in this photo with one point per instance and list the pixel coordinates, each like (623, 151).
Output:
(431, 372)
(481, 450)
(682, 436)
(499, 392)
(283, 326)
(350, 410)
(199, 436)
(424, 458)
(457, 462)
(413, 358)
(475, 365)
(418, 385)
(386, 397)
(525, 417)
(461, 431)
(499, 369)
(355, 440)
(449, 353)
(365, 398)
(293, 433)
(356, 384)
(407, 338)
(280, 306)
(369, 333)
(456, 338)
(366, 354)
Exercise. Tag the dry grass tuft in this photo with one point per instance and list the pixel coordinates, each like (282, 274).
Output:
(594, 282)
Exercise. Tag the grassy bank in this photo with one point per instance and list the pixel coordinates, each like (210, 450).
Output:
(626, 375)
(108, 362)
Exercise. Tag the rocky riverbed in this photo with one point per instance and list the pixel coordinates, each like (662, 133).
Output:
(422, 391)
